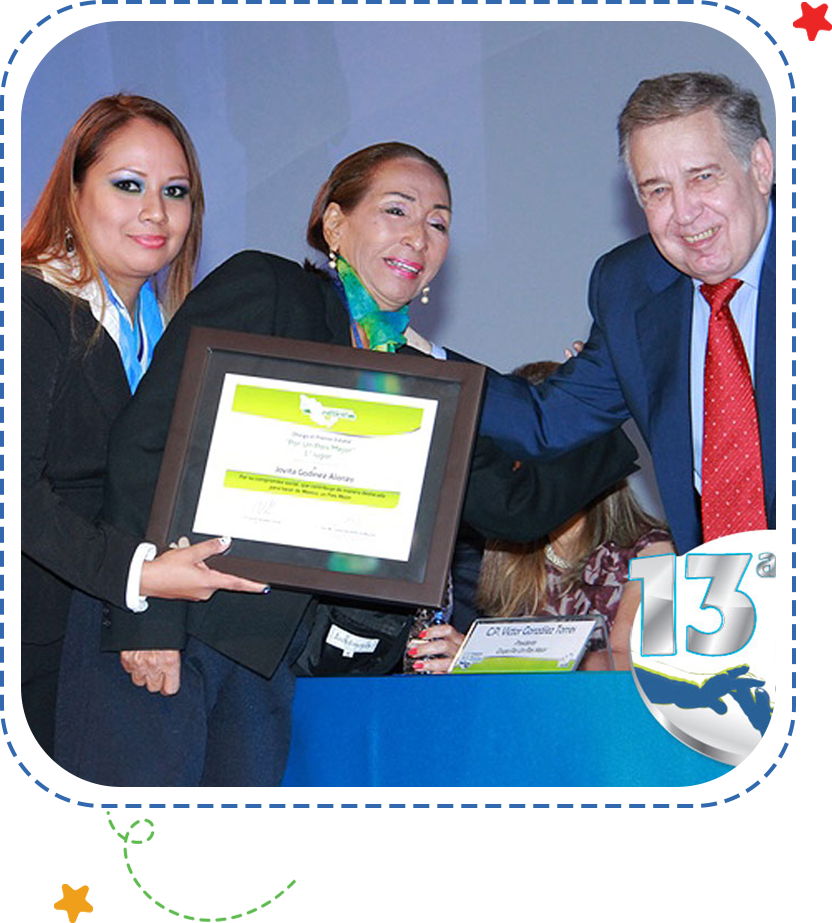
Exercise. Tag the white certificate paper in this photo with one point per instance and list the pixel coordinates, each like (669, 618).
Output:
(335, 469)
(533, 645)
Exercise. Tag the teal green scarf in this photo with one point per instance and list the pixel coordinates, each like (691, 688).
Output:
(384, 329)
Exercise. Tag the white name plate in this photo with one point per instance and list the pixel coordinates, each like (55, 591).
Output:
(526, 645)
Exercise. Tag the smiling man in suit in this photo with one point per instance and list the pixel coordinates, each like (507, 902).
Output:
(683, 318)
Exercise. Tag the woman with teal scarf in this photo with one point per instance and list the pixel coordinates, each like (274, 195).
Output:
(382, 220)
(386, 239)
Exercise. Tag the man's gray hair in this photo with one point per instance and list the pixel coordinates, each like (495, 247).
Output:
(673, 96)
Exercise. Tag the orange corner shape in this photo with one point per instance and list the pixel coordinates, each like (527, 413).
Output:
(101, 904)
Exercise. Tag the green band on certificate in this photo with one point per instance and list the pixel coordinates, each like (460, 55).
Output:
(312, 490)
(334, 414)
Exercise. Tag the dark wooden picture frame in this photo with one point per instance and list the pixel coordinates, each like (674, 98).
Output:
(457, 388)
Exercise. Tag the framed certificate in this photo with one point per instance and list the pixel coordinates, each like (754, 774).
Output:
(335, 470)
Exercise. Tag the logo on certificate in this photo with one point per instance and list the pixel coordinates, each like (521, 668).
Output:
(321, 415)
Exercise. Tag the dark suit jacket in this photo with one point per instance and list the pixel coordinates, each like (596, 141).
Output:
(261, 293)
(636, 363)
(72, 390)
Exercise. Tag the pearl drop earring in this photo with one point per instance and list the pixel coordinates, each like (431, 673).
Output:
(425, 298)
(333, 259)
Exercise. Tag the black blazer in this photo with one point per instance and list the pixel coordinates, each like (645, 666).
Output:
(72, 390)
(261, 293)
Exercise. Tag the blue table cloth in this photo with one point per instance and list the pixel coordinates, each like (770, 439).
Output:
(516, 730)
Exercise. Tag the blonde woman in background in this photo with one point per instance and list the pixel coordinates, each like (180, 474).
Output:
(579, 569)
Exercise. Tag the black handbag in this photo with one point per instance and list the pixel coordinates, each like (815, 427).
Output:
(352, 641)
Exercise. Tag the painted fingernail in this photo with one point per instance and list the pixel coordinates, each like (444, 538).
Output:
(418, 665)
(266, 589)
(413, 652)
(424, 633)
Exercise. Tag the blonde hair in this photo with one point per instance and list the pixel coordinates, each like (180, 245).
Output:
(54, 232)
(513, 576)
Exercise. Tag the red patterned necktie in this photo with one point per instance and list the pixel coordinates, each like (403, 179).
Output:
(732, 471)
